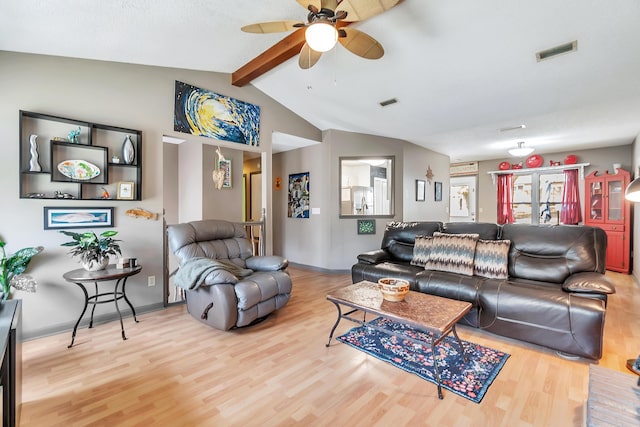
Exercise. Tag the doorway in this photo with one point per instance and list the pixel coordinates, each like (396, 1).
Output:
(462, 199)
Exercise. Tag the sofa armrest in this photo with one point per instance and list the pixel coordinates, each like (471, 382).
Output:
(267, 263)
(374, 257)
(588, 282)
(220, 277)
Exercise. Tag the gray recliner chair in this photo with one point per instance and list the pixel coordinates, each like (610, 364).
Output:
(225, 285)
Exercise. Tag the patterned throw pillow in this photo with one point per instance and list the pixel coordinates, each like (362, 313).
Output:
(421, 249)
(491, 259)
(453, 253)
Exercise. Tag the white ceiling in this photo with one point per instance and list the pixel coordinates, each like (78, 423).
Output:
(460, 69)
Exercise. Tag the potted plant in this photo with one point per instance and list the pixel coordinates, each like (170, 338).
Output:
(12, 268)
(93, 251)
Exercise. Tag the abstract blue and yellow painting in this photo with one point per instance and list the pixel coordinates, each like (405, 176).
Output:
(205, 113)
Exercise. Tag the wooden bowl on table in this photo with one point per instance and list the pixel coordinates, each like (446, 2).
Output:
(393, 289)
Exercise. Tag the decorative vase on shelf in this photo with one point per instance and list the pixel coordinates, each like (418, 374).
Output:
(128, 152)
(34, 166)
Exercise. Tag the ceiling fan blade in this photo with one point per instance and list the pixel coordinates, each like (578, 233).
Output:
(359, 10)
(270, 27)
(308, 57)
(361, 44)
(329, 4)
(306, 3)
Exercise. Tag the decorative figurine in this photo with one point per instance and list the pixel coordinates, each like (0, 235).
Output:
(115, 159)
(74, 136)
(34, 166)
(105, 193)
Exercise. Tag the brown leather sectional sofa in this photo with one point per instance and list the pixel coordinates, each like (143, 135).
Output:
(555, 294)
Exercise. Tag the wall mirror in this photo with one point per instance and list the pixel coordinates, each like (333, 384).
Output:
(366, 186)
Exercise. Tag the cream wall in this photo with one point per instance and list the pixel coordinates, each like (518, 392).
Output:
(635, 223)
(126, 95)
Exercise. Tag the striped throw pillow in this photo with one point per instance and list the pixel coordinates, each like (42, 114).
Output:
(421, 249)
(453, 253)
(492, 257)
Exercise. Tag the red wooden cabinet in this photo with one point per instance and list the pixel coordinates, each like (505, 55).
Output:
(606, 207)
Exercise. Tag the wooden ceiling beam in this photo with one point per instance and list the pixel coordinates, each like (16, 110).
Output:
(280, 52)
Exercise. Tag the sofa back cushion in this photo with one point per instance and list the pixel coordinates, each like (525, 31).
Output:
(215, 239)
(486, 230)
(453, 253)
(552, 253)
(399, 237)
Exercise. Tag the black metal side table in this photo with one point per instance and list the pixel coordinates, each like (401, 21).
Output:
(111, 273)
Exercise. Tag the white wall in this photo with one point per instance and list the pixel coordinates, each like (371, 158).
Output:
(635, 223)
(126, 95)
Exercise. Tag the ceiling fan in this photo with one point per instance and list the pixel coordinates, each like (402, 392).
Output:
(326, 25)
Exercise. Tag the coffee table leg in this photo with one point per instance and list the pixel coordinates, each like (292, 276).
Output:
(464, 353)
(335, 325)
(435, 369)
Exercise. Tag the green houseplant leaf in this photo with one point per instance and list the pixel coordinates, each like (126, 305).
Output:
(14, 265)
(89, 247)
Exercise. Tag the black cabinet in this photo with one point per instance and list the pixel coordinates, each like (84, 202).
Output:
(11, 370)
(62, 158)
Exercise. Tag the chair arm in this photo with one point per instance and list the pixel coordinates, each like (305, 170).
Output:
(589, 282)
(374, 257)
(220, 277)
(266, 263)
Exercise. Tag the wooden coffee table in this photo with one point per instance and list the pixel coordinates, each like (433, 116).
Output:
(422, 311)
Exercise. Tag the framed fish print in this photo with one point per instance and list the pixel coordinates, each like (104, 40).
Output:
(58, 218)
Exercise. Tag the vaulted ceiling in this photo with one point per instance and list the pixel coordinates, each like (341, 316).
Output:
(461, 70)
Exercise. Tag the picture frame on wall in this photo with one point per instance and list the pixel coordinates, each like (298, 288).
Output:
(126, 190)
(421, 186)
(366, 226)
(438, 191)
(59, 218)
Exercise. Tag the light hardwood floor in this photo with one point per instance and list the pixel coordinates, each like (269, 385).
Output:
(174, 371)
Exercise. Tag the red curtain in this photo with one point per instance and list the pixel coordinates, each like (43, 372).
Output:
(571, 212)
(505, 199)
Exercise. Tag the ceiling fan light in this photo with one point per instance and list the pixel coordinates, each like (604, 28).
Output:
(321, 36)
(521, 150)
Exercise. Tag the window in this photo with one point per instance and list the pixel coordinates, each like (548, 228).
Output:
(537, 198)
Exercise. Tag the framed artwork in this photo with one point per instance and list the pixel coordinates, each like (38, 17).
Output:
(58, 218)
(438, 191)
(205, 113)
(366, 226)
(298, 205)
(225, 166)
(421, 187)
(126, 190)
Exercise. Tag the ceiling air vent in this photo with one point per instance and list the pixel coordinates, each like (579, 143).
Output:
(558, 50)
(388, 102)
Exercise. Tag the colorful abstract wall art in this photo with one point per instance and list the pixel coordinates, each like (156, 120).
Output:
(205, 113)
(298, 206)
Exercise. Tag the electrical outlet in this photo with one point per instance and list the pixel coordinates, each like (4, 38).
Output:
(151, 280)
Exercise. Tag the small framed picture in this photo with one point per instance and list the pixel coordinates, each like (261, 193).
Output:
(126, 190)
(366, 226)
(421, 187)
(438, 191)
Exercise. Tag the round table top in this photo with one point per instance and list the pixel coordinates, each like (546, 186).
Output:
(109, 273)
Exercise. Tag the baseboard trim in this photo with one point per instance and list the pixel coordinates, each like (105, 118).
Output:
(97, 320)
(319, 269)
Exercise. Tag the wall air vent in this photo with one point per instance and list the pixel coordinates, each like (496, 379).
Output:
(558, 50)
(388, 102)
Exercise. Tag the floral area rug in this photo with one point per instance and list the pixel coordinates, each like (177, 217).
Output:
(468, 379)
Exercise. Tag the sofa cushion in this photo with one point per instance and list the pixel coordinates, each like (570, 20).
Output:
(453, 253)
(491, 259)
(421, 250)
(486, 230)
(399, 237)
